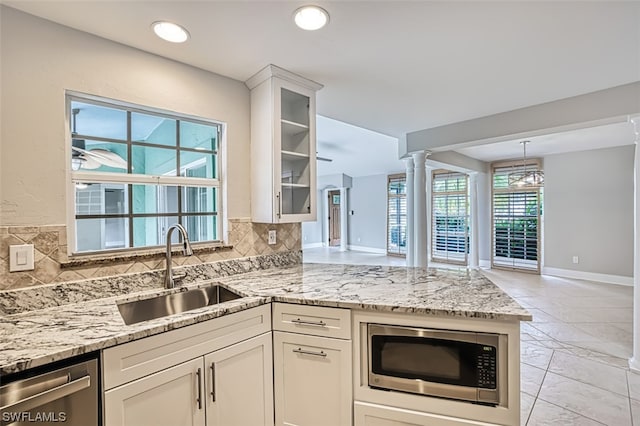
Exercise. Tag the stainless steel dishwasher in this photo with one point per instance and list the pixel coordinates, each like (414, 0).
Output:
(68, 396)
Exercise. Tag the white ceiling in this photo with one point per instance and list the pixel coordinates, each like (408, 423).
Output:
(390, 66)
(355, 151)
(607, 136)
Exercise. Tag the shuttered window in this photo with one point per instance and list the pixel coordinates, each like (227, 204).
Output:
(516, 223)
(397, 215)
(450, 217)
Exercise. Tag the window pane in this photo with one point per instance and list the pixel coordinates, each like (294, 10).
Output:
(200, 228)
(152, 231)
(155, 199)
(197, 164)
(153, 161)
(198, 199)
(97, 156)
(198, 136)
(153, 129)
(99, 121)
(101, 199)
(101, 234)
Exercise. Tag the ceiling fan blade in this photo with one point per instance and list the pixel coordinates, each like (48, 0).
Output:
(101, 156)
(89, 163)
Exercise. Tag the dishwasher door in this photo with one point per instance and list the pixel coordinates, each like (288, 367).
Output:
(67, 396)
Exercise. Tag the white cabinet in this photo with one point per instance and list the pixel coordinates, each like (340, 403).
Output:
(312, 372)
(379, 415)
(283, 146)
(218, 371)
(239, 385)
(170, 397)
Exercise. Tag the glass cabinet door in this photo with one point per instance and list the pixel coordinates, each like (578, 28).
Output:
(295, 153)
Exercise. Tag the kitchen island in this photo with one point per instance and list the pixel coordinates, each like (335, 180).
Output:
(435, 298)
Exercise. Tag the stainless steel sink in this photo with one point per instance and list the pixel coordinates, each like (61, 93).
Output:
(170, 304)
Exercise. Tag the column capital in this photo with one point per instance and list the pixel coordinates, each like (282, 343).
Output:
(635, 121)
(408, 164)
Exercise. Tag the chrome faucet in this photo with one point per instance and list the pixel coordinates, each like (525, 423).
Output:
(186, 250)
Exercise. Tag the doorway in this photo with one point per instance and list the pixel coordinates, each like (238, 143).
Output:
(334, 217)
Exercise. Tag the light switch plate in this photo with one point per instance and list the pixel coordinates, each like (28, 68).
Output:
(272, 236)
(21, 258)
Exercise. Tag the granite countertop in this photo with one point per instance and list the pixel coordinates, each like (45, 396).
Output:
(42, 336)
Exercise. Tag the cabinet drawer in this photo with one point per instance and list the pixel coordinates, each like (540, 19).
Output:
(130, 361)
(366, 414)
(313, 320)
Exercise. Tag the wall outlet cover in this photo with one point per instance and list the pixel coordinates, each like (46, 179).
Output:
(21, 258)
(272, 236)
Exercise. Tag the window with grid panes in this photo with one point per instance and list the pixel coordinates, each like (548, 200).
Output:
(397, 215)
(516, 222)
(136, 171)
(450, 217)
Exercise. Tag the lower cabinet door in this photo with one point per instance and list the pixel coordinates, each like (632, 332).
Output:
(312, 378)
(240, 384)
(167, 398)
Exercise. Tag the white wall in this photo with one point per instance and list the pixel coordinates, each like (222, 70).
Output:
(315, 233)
(368, 200)
(588, 211)
(40, 60)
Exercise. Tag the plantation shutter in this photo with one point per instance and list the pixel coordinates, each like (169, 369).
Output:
(397, 215)
(450, 217)
(516, 220)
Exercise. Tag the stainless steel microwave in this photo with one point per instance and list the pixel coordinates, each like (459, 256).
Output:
(469, 366)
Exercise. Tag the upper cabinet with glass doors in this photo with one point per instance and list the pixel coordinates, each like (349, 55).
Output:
(283, 146)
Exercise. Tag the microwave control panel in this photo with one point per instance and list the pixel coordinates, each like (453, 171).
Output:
(487, 367)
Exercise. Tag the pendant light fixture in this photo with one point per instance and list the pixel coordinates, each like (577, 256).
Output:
(527, 177)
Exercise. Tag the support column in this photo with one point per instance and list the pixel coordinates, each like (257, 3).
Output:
(634, 362)
(344, 229)
(429, 208)
(420, 209)
(473, 234)
(408, 162)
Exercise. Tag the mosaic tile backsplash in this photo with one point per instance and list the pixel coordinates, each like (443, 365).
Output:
(52, 264)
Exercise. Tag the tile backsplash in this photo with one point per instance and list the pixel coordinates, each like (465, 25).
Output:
(52, 264)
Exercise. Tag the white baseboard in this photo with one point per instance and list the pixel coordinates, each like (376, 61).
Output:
(590, 276)
(312, 245)
(484, 264)
(367, 249)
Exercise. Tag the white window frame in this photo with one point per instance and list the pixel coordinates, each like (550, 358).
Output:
(443, 256)
(75, 177)
(516, 265)
(399, 252)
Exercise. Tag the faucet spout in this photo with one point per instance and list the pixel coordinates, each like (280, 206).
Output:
(169, 282)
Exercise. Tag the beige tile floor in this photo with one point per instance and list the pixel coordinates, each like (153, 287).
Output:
(574, 354)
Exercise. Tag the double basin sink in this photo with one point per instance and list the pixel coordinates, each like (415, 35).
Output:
(169, 304)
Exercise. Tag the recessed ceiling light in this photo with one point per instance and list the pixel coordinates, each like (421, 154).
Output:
(311, 17)
(170, 32)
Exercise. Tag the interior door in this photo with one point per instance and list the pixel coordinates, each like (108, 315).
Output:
(334, 218)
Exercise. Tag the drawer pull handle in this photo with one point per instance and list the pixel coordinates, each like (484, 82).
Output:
(313, 323)
(323, 354)
(199, 374)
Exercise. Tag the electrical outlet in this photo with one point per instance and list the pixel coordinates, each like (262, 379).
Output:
(272, 236)
(576, 259)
